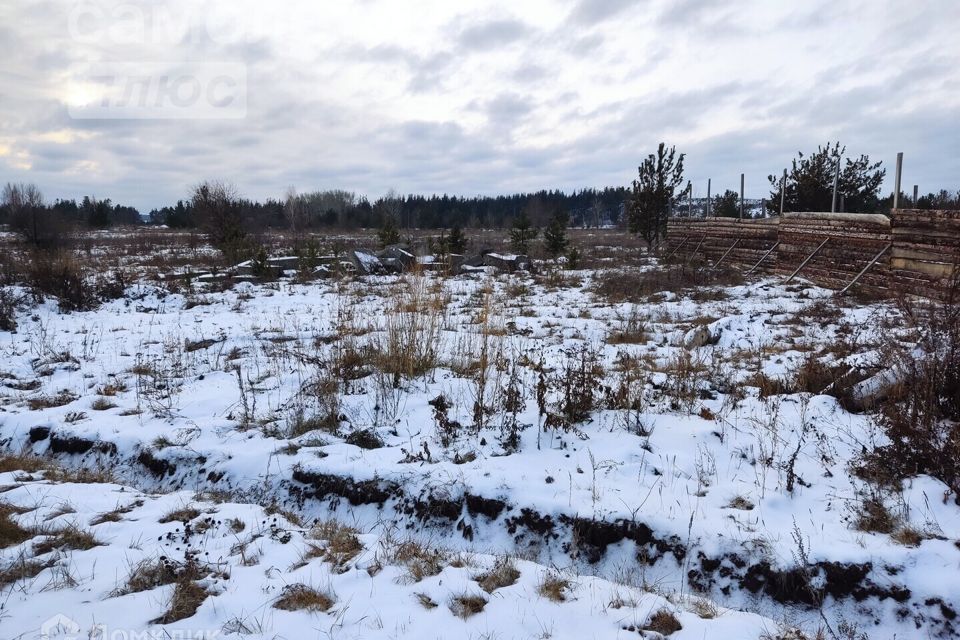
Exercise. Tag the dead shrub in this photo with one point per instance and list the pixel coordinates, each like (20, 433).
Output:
(921, 417)
(9, 304)
(872, 515)
(57, 273)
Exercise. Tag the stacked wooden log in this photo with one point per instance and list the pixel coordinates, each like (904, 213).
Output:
(926, 248)
(915, 251)
(854, 240)
(711, 238)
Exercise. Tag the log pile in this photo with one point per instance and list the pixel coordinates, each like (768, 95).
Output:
(922, 247)
(926, 248)
(711, 238)
(854, 240)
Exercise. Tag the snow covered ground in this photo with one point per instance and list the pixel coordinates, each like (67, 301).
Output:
(658, 452)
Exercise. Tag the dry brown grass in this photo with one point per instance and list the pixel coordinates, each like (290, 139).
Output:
(466, 605)
(503, 574)
(183, 514)
(909, 536)
(741, 503)
(341, 544)
(873, 516)
(186, 599)
(11, 532)
(663, 622)
(28, 464)
(419, 560)
(300, 597)
(49, 402)
(117, 514)
(553, 587)
(21, 568)
(426, 601)
(73, 538)
(102, 404)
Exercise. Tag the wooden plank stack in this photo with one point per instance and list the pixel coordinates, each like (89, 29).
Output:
(718, 235)
(855, 239)
(926, 248)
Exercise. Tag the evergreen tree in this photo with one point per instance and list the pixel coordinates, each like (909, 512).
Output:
(388, 233)
(810, 182)
(522, 234)
(457, 241)
(655, 193)
(727, 204)
(555, 235)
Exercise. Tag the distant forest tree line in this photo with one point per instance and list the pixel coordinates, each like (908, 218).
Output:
(659, 191)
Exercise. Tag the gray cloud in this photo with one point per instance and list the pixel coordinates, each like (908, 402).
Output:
(491, 34)
(591, 12)
(437, 100)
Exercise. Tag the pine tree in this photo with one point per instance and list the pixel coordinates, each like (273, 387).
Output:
(726, 205)
(522, 234)
(555, 235)
(457, 241)
(388, 233)
(810, 182)
(655, 193)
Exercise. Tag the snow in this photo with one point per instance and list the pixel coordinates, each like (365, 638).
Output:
(216, 416)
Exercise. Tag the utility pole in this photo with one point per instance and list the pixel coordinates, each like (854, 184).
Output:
(836, 181)
(896, 188)
(916, 194)
(689, 199)
(742, 182)
(709, 201)
(783, 191)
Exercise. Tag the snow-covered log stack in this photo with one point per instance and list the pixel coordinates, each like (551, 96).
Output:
(926, 247)
(854, 240)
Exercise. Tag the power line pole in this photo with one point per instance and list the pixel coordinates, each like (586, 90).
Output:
(742, 182)
(709, 201)
(836, 181)
(689, 199)
(783, 191)
(916, 194)
(896, 188)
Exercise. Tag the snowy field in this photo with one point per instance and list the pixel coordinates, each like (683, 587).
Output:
(588, 454)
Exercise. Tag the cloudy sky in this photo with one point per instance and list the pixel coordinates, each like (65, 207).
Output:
(435, 96)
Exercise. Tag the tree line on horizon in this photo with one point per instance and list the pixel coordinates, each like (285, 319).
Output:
(658, 192)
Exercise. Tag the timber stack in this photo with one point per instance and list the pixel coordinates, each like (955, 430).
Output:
(926, 248)
(853, 240)
(711, 238)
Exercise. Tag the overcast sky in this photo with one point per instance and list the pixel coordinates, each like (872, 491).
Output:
(440, 96)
